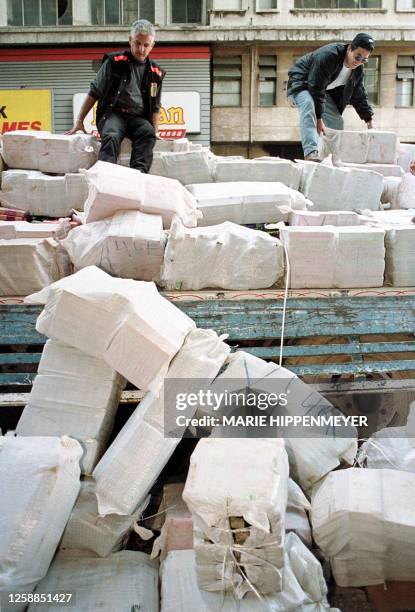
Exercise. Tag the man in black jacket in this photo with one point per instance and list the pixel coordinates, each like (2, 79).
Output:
(322, 83)
(128, 90)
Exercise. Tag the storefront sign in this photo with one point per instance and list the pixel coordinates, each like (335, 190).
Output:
(28, 109)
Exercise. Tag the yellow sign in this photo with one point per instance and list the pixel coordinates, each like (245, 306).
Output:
(28, 109)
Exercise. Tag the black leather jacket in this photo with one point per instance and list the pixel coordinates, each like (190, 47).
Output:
(315, 70)
(115, 74)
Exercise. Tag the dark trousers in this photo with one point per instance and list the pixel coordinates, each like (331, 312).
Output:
(119, 125)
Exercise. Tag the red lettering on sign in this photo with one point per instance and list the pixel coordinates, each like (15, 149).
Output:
(36, 125)
(9, 127)
(23, 125)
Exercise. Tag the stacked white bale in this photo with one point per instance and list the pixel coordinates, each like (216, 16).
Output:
(23, 229)
(364, 523)
(112, 188)
(30, 264)
(310, 457)
(127, 323)
(338, 218)
(304, 586)
(129, 468)
(390, 191)
(406, 154)
(238, 518)
(127, 580)
(245, 202)
(42, 194)
(400, 255)
(73, 394)
(267, 169)
(385, 218)
(365, 147)
(185, 166)
(101, 535)
(386, 170)
(226, 256)
(130, 244)
(329, 187)
(405, 197)
(39, 483)
(176, 524)
(388, 448)
(51, 153)
(296, 516)
(335, 257)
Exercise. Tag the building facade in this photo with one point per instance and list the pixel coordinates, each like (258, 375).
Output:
(235, 54)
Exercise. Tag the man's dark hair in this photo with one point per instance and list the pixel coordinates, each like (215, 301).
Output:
(365, 41)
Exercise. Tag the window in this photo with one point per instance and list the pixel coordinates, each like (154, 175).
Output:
(229, 5)
(405, 75)
(338, 4)
(266, 5)
(372, 79)
(39, 12)
(114, 12)
(405, 5)
(186, 11)
(227, 80)
(267, 67)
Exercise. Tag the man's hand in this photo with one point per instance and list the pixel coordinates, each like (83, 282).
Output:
(321, 128)
(412, 167)
(370, 125)
(79, 126)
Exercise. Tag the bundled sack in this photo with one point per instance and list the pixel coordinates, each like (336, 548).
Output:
(226, 256)
(185, 166)
(128, 245)
(405, 197)
(127, 580)
(135, 459)
(386, 170)
(389, 195)
(313, 218)
(39, 483)
(387, 218)
(86, 530)
(406, 154)
(42, 194)
(10, 230)
(334, 257)
(73, 394)
(239, 520)
(175, 523)
(388, 448)
(400, 255)
(331, 188)
(322, 449)
(262, 169)
(126, 323)
(364, 523)
(112, 188)
(30, 264)
(245, 202)
(304, 589)
(296, 516)
(364, 147)
(51, 153)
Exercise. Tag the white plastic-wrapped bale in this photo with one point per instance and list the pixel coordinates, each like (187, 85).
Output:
(269, 169)
(310, 457)
(304, 586)
(385, 170)
(296, 515)
(135, 459)
(338, 218)
(73, 394)
(127, 323)
(405, 197)
(185, 166)
(335, 257)
(172, 146)
(234, 257)
(23, 229)
(364, 523)
(102, 535)
(29, 264)
(51, 153)
(406, 154)
(112, 188)
(245, 202)
(129, 244)
(223, 501)
(42, 194)
(127, 580)
(39, 483)
(400, 255)
(176, 532)
(368, 146)
(385, 218)
(390, 190)
(388, 448)
(330, 187)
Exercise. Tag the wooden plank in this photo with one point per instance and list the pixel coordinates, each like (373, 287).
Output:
(19, 358)
(369, 367)
(18, 400)
(311, 350)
